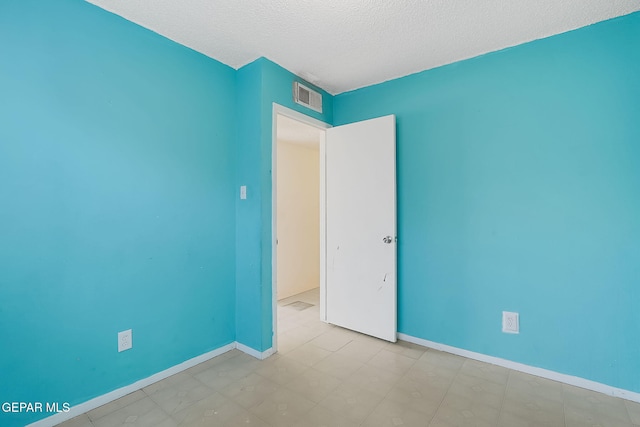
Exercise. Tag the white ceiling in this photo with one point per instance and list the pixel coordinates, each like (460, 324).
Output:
(341, 45)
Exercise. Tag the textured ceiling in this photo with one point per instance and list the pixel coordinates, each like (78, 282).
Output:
(342, 45)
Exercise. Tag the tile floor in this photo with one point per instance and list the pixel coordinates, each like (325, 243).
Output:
(328, 376)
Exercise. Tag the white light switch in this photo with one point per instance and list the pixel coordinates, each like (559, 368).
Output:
(243, 192)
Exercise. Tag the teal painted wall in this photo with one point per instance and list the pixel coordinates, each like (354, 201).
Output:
(260, 84)
(117, 202)
(248, 215)
(518, 190)
(122, 153)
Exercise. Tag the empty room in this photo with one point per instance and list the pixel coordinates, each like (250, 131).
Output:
(231, 213)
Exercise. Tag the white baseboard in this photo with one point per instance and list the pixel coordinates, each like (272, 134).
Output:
(544, 373)
(255, 353)
(116, 394)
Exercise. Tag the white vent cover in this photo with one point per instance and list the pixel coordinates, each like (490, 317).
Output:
(307, 97)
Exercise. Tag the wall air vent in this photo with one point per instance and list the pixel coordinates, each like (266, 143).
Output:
(307, 97)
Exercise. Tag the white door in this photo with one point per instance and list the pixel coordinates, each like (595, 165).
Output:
(361, 227)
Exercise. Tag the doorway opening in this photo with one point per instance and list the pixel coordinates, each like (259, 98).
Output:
(297, 221)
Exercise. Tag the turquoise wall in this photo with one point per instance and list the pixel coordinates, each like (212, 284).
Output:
(260, 84)
(117, 202)
(122, 154)
(248, 215)
(518, 190)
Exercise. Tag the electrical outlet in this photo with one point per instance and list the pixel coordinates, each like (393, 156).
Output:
(125, 341)
(510, 322)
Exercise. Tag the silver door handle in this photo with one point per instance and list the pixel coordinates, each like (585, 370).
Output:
(387, 239)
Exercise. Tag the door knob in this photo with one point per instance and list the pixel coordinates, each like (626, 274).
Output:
(387, 239)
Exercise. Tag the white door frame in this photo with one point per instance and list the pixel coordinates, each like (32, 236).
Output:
(295, 115)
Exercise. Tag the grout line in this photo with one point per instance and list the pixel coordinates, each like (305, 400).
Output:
(564, 408)
(504, 394)
(448, 388)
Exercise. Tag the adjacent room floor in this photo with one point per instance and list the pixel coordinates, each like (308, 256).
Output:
(324, 375)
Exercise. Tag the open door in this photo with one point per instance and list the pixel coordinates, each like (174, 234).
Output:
(361, 227)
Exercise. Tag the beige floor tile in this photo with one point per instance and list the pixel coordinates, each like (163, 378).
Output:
(459, 422)
(314, 385)
(508, 419)
(311, 313)
(421, 399)
(405, 348)
(478, 389)
(362, 350)
(522, 384)
(80, 421)
(332, 340)
(283, 408)
(308, 354)
(212, 362)
(390, 413)
(286, 317)
(303, 334)
(314, 329)
(318, 326)
(437, 378)
(338, 366)
(288, 325)
(282, 370)
(581, 404)
(250, 390)
(244, 361)
(221, 375)
(436, 386)
(288, 342)
(354, 403)
(246, 419)
(575, 417)
(633, 408)
(180, 395)
(115, 405)
(166, 383)
(215, 410)
(141, 413)
(462, 412)
(441, 359)
(486, 371)
(373, 379)
(380, 343)
(534, 410)
(395, 363)
(312, 296)
(434, 367)
(320, 416)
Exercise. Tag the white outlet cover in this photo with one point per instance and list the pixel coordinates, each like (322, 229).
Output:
(510, 322)
(125, 340)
